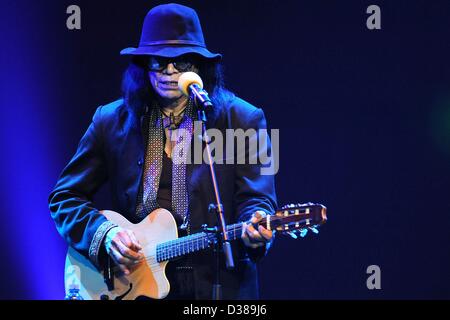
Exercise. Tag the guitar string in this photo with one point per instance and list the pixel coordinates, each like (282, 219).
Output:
(170, 250)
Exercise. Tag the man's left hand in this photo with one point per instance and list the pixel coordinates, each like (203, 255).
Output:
(256, 238)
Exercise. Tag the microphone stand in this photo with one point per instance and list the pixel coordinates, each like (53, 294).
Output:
(222, 240)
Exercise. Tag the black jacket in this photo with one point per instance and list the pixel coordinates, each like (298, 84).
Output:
(113, 149)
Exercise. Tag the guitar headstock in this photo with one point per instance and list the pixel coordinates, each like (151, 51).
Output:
(296, 219)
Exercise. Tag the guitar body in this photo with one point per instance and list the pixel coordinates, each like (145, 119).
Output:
(146, 279)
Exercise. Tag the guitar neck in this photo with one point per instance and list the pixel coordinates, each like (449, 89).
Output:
(284, 220)
(193, 243)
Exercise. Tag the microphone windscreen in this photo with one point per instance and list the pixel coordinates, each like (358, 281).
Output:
(188, 78)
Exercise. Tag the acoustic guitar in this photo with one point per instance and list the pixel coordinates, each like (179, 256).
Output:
(158, 236)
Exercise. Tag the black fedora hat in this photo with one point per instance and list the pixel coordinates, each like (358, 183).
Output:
(171, 30)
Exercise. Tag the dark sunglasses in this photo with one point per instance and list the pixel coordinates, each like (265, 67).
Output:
(182, 64)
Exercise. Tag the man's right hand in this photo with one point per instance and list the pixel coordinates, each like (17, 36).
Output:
(123, 247)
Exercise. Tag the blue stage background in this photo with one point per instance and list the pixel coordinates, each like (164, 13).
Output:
(364, 119)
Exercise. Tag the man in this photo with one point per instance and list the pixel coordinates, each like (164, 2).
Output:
(130, 143)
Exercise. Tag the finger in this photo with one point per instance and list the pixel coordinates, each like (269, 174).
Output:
(125, 238)
(126, 252)
(129, 240)
(134, 240)
(118, 258)
(253, 234)
(257, 216)
(267, 234)
(135, 245)
(250, 244)
(244, 232)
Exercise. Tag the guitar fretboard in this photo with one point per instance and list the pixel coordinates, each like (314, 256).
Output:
(286, 219)
(193, 243)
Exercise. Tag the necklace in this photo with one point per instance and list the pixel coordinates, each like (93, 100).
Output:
(172, 121)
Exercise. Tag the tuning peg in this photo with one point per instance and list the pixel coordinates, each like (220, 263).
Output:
(314, 230)
(303, 232)
(306, 204)
(287, 206)
(292, 234)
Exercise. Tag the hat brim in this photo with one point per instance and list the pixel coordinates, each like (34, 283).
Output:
(170, 51)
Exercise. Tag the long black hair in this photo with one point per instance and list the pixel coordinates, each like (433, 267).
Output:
(138, 92)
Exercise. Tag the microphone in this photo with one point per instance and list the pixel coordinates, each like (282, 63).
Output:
(191, 83)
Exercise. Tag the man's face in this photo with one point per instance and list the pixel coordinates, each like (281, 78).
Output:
(165, 72)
